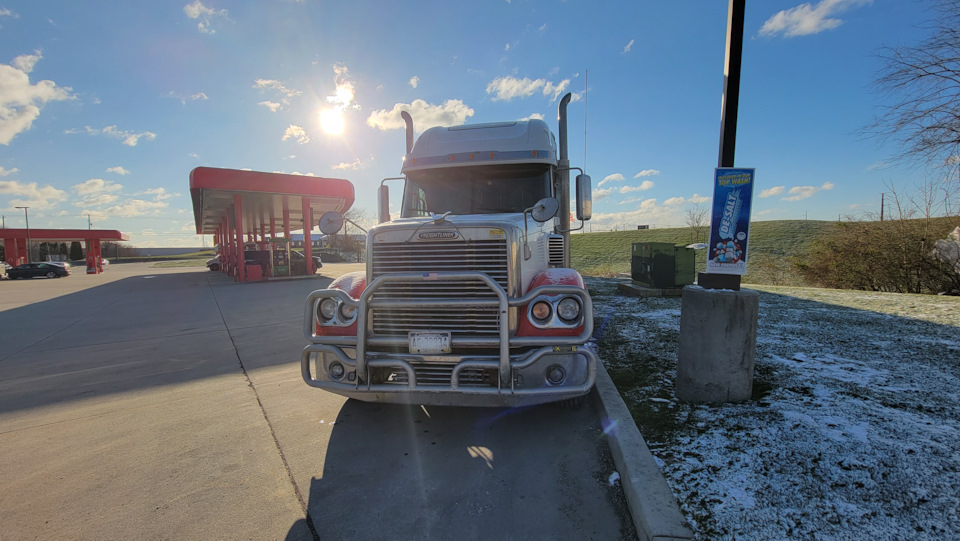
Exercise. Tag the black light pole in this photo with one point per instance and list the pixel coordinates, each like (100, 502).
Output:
(26, 218)
(731, 83)
(728, 120)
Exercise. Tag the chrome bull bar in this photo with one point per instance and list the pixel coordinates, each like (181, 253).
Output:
(502, 302)
(455, 377)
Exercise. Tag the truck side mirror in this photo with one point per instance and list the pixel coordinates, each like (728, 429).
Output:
(383, 203)
(545, 209)
(584, 197)
(331, 222)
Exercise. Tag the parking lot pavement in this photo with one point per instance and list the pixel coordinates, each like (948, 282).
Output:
(168, 403)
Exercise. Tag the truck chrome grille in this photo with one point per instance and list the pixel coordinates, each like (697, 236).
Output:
(439, 374)
(486, 256)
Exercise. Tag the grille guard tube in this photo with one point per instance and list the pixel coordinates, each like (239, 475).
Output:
(503, 304)
(412, 386)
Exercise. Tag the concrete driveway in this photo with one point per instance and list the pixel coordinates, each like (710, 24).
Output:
(167, 403)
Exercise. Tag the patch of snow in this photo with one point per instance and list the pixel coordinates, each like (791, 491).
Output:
(854, 430)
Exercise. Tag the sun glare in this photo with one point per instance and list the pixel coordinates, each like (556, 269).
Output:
(331, 120)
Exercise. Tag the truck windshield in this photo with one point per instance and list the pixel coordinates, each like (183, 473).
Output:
(489, 189)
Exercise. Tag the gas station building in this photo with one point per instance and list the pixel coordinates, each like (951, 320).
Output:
(15, 243)
(247, 211)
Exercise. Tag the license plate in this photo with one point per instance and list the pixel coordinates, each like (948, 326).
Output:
(429, 342)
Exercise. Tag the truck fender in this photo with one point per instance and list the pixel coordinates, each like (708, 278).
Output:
(353, 283)
(559, 276)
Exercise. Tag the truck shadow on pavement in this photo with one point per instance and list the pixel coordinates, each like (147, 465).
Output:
(422, 472)
(136, 333)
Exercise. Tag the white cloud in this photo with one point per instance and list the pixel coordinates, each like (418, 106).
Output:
(159, 194)
(616, 177)
(286, 94)
(776, 190)
(97, 200)
(675, 201)
(533, 116)
(507, 88)
(189, 227)
(628, 47)
(647, 173)
(129, 138)
(30, 195)
(803, 192)
(193, 97)
(204, 15)
(4, 172)
(697, 198)
(96, 186)
(128, 209)
(601, 193)
(272, 105)
(414, 81)
(20, 101)
(644, 186)
(425, 115)
(354, 165)
(807, 19)
(118, 170)
(345, 91)
(295, 132)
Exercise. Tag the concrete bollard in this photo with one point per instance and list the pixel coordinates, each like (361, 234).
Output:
(718, 343)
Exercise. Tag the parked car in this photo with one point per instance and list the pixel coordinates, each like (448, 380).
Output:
(31, 270)
(214, 263)
(298, 262)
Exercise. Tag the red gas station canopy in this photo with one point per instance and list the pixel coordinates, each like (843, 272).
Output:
(64, 235)
(264, 197)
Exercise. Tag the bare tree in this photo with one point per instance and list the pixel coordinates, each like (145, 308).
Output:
(698, 219)
(923, 82)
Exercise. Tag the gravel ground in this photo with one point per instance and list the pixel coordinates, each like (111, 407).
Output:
(853, 431)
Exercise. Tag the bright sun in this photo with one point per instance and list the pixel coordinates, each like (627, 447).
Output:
(331, 120)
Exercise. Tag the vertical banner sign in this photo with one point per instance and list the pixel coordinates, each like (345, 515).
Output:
(730, 223)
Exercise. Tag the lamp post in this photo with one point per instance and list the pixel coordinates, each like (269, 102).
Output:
(26, 218)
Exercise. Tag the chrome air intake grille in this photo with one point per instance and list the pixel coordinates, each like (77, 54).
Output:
(486, 256)
(555, 250)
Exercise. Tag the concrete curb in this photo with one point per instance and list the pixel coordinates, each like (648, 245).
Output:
(652, 504)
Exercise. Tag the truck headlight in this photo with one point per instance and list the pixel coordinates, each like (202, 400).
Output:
(569, 309)
(347, 312)
(541, 310)
(328, 309)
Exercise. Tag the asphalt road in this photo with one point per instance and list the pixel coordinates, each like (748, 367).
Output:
(167, 403)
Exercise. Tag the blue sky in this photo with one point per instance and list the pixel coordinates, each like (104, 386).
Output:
(105, 107)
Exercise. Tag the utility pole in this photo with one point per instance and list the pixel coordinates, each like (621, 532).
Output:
(89, 223)
(731, 83)
(882, 194)
(26, 218)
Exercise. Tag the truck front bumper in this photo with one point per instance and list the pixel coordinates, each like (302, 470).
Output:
(573, 370)
(527, 370)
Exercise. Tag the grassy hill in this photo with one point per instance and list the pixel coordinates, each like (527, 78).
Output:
(772, 243)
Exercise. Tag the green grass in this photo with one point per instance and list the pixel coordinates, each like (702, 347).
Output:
(772, 244)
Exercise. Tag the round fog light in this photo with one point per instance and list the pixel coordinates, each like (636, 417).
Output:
(541, 310)
(347, 312)
(555, 374)
(568, 309)
(328, 308)
(336, 370)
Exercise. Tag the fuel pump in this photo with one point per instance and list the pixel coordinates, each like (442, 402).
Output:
(280, 249)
